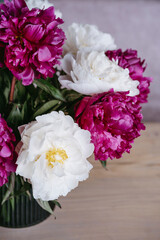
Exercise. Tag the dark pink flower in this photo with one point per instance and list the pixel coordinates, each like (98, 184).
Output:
(34, 41)
(129, 59)
(114, 121)
(8, 155)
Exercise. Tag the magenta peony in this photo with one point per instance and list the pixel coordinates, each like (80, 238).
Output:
(114, 121)
(34, 41)
(129, 59)
(8, 155)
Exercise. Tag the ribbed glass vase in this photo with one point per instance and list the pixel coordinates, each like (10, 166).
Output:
(21, 212)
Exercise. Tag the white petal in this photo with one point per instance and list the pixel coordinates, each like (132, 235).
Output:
(92, 72)
(87, 37)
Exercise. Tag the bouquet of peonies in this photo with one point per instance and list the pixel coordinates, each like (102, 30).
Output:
(63, 96)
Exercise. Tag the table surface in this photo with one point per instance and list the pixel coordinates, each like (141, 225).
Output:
(122, 203)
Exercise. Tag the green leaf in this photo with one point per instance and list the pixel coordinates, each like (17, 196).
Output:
(57, 204)
(15, 116)
(104, 164)
(26, 187)
(45, 205)
(19, 92)
(49, 88)
(6, 92)
(5, 84)
(45, 108)
(6, 79)
(71, 95)
(25, 111)
(29, 194)
(12, 202)
(2, 102)
(10, 189)
(23, 190)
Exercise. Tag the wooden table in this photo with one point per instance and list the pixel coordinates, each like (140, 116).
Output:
(122, 203)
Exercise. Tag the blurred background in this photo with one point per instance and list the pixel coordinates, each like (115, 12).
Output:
(133, 24)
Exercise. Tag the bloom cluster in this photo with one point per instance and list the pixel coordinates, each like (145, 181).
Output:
(114, 120)
(84, 96)
(114, 84)
(33, 40)
(8, 155)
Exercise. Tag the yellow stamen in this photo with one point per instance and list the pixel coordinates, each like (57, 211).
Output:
(56, 155)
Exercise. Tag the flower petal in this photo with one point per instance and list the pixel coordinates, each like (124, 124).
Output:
(44, 54)
(5, 151)
(33, 33)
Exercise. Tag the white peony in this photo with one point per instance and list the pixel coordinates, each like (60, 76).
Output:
(92, 72)
(42, 4)
(87, 37)
(54, 155)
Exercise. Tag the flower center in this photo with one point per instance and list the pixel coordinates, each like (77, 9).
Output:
(20, 36)
(56, 155)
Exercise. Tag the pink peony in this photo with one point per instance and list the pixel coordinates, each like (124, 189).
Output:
(129, 59)
(8, 155)
(34, 41)
(114, 121)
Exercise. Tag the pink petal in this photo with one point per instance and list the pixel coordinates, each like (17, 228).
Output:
(5, 151)
(33, 33)
(44, 54)
(27, 76)
(19, 4)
